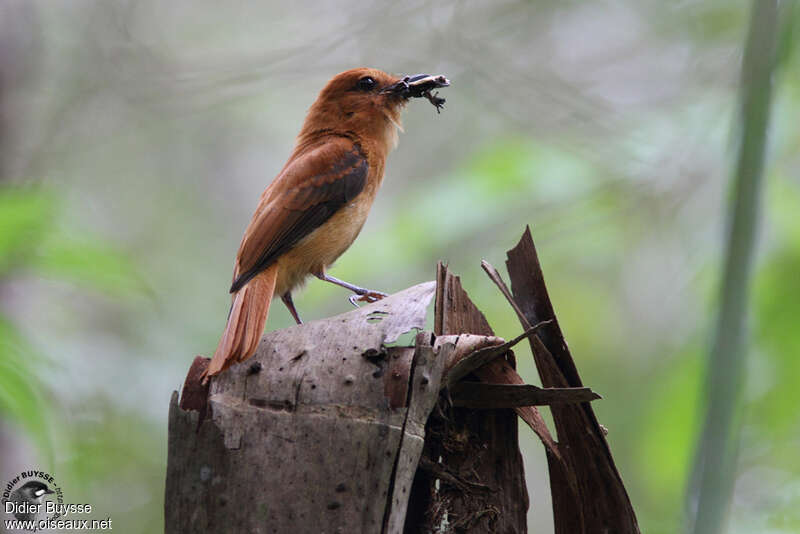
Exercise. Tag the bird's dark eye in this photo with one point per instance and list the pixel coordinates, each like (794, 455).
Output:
(366, 84)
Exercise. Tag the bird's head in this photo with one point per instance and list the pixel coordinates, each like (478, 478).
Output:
(368, 102)
(34, 490)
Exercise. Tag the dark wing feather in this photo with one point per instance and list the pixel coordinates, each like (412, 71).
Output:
(314, 187)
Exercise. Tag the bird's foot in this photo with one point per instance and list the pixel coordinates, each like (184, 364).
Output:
(366, 295)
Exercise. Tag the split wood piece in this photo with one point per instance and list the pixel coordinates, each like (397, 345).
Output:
(471, 475)
(478, 395)
(588, 493)
(194, 395)
(545, 366)
(303, 432)
(464, 315)
(427, 368)
(473, 352)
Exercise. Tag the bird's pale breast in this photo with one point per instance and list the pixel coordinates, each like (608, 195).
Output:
(319, 249)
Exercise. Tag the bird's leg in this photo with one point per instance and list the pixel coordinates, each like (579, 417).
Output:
(361, 294)
(287, 299)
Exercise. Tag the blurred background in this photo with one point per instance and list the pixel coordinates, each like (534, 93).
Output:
(136, 137)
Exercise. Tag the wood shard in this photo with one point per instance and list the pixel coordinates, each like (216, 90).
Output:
(478, 395)
(588, 493)
(473, 450)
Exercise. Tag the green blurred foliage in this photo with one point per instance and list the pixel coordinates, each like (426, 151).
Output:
(86, 453)
(24, 217)
(21, 400)
(777, 309)
(23, 221)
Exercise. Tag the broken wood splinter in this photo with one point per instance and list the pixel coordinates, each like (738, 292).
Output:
(479, 395)
(464, 363)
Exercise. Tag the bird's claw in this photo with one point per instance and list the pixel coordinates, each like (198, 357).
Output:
(367, 296)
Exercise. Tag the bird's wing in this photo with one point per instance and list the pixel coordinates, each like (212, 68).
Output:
(308, 191)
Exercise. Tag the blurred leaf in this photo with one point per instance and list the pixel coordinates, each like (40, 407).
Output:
(777, 300)
(25, 214)
(116, 452)
(790, 25)
(21, 398)
(717, 21)
(89, 263)
(668, 432)
(27, 238)
(496, 184)
(665, 437)
(518, 165)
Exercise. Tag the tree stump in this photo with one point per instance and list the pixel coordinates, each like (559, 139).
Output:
(331, 428)
(320, 431)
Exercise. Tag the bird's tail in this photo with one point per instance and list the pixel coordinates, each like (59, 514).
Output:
(245, 322)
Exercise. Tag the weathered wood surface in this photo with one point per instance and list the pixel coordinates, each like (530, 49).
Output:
(303, 437)
(428, 365)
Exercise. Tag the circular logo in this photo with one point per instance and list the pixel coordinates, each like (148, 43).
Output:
(30, 497)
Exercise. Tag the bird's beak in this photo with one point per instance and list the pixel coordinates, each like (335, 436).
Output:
(416, 86)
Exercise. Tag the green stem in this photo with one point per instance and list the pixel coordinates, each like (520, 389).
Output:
(715, 465)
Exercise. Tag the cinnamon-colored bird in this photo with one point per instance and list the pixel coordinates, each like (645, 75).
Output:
(314, 209)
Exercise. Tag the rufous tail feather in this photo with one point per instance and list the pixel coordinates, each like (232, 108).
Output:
(245, 322)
